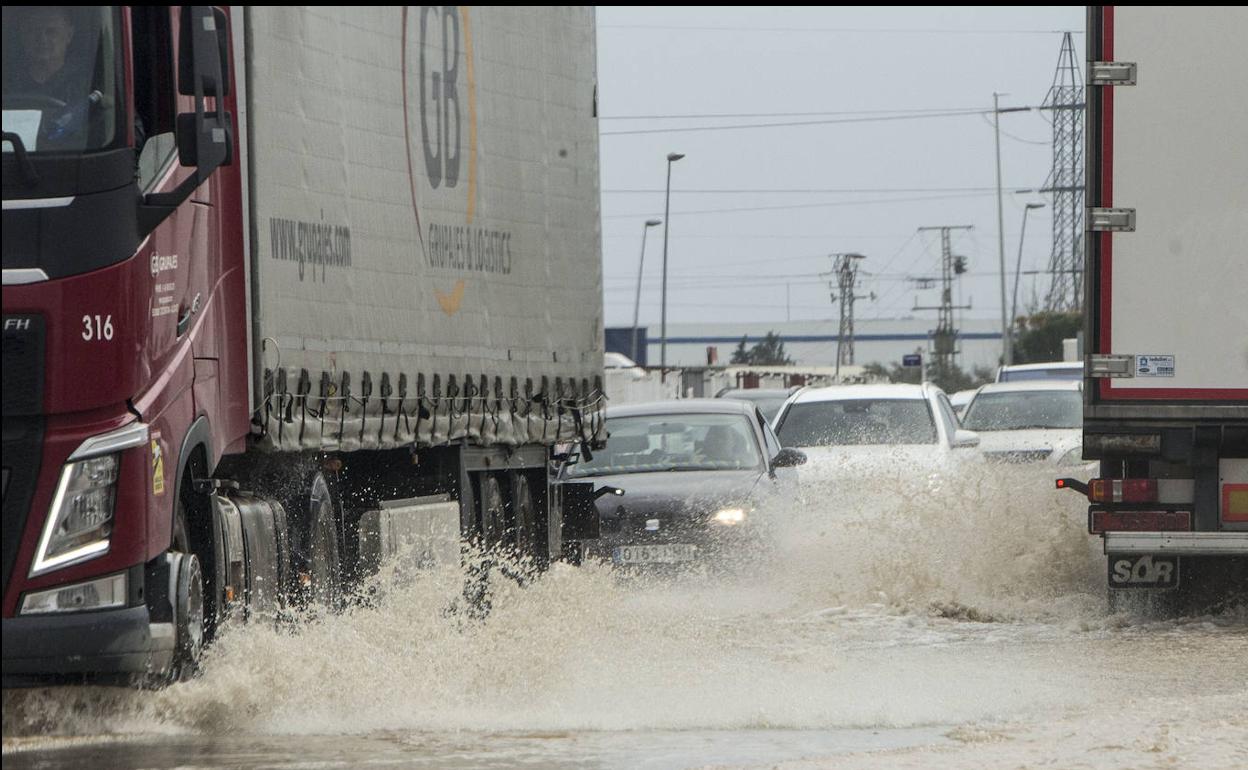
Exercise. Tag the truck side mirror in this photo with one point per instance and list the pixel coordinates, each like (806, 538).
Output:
(204, 51)
(203, 72)
(204, 139)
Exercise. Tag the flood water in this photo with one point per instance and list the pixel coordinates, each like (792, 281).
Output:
(895, 623)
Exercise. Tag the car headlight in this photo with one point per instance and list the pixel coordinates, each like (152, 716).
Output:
(1072, 457)
(729, 516)
(80, 520)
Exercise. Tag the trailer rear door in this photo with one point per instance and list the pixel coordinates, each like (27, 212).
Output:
(1174, 147)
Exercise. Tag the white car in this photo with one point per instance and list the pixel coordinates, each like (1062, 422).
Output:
(961, 400)
(1029, 422)
(846, 429)
(1053, 370)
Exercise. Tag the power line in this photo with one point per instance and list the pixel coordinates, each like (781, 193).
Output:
(854, 30)
(789, 124)
(716, 115)
(811, 191)
(804, 205)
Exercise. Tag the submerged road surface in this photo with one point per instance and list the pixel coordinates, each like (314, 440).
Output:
(895, 624)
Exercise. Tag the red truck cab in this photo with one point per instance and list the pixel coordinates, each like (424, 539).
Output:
(123, 266)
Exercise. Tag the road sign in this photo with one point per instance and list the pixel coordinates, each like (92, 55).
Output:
(914, 359)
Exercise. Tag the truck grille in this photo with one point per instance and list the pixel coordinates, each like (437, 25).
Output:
(23, 448)
(23, 365)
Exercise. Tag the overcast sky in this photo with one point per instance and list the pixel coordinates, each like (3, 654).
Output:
(739, 253)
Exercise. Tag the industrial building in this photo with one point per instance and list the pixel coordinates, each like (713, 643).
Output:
(810, 343)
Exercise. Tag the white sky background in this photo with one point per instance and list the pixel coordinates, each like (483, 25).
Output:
(737, 266)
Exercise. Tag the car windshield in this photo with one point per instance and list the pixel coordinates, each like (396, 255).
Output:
(858, 421)
(1023, 410)
(673, 442)
(62, 90)
(767, 401)
(1054, 373)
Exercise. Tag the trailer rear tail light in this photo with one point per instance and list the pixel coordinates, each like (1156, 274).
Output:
(1100, 522)
(1235, 502)
(1122, 490)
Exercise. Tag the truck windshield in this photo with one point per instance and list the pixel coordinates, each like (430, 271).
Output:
(62, 87)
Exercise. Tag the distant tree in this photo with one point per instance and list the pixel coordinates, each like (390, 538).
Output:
(876, 371)
(1038, 337)
(951, 380)
(769, 351)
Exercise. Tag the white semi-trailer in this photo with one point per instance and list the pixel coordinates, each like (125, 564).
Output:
(1166, 393)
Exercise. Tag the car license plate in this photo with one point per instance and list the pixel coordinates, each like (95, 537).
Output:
(1143, 571)
(654, 554)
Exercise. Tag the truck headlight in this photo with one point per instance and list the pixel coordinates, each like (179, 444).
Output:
(729, 516)
(98, 594)
(80, 520)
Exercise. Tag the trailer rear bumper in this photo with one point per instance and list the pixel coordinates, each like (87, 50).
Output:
(104, 647)
(1177, 543)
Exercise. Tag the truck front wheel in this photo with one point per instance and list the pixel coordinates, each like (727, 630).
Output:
(188, 598)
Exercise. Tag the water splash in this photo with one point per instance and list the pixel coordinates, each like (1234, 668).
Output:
(884, 602)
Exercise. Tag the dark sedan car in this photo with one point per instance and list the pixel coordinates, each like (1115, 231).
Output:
(697, 475)
(768, 400)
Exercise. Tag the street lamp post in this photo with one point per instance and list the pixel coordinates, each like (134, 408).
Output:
(640, 263)
(672, 157)
(1006, 352)
(1017, 267)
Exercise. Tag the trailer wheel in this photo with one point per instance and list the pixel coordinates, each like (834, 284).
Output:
(318, 565)
(525, 515)
(493, 511)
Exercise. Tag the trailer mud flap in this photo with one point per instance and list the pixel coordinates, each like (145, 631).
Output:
(1148, 571)
(580, 515)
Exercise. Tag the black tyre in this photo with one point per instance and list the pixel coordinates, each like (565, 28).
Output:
(493, 510)
(318, 563)
(525, 514)
(188, 596)
(190, 618)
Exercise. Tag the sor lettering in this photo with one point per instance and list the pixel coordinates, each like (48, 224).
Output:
(163, 264)
(439, 93)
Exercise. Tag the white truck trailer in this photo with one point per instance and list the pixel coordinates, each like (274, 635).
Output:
(1166, 395)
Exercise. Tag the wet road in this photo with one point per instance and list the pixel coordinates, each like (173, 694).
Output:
(897, 624)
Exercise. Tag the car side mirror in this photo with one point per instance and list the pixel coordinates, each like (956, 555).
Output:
(965, 439)
(789, 458)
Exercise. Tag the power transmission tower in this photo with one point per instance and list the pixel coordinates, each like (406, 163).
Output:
(945, 336)
(845, 270)
(1066, 104)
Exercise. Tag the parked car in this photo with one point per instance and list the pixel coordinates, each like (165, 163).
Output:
(768, 400)
(858, 427)
(1029, 422)
(960, 400)
(621, 362)
(698, 475)
(1054, 370)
